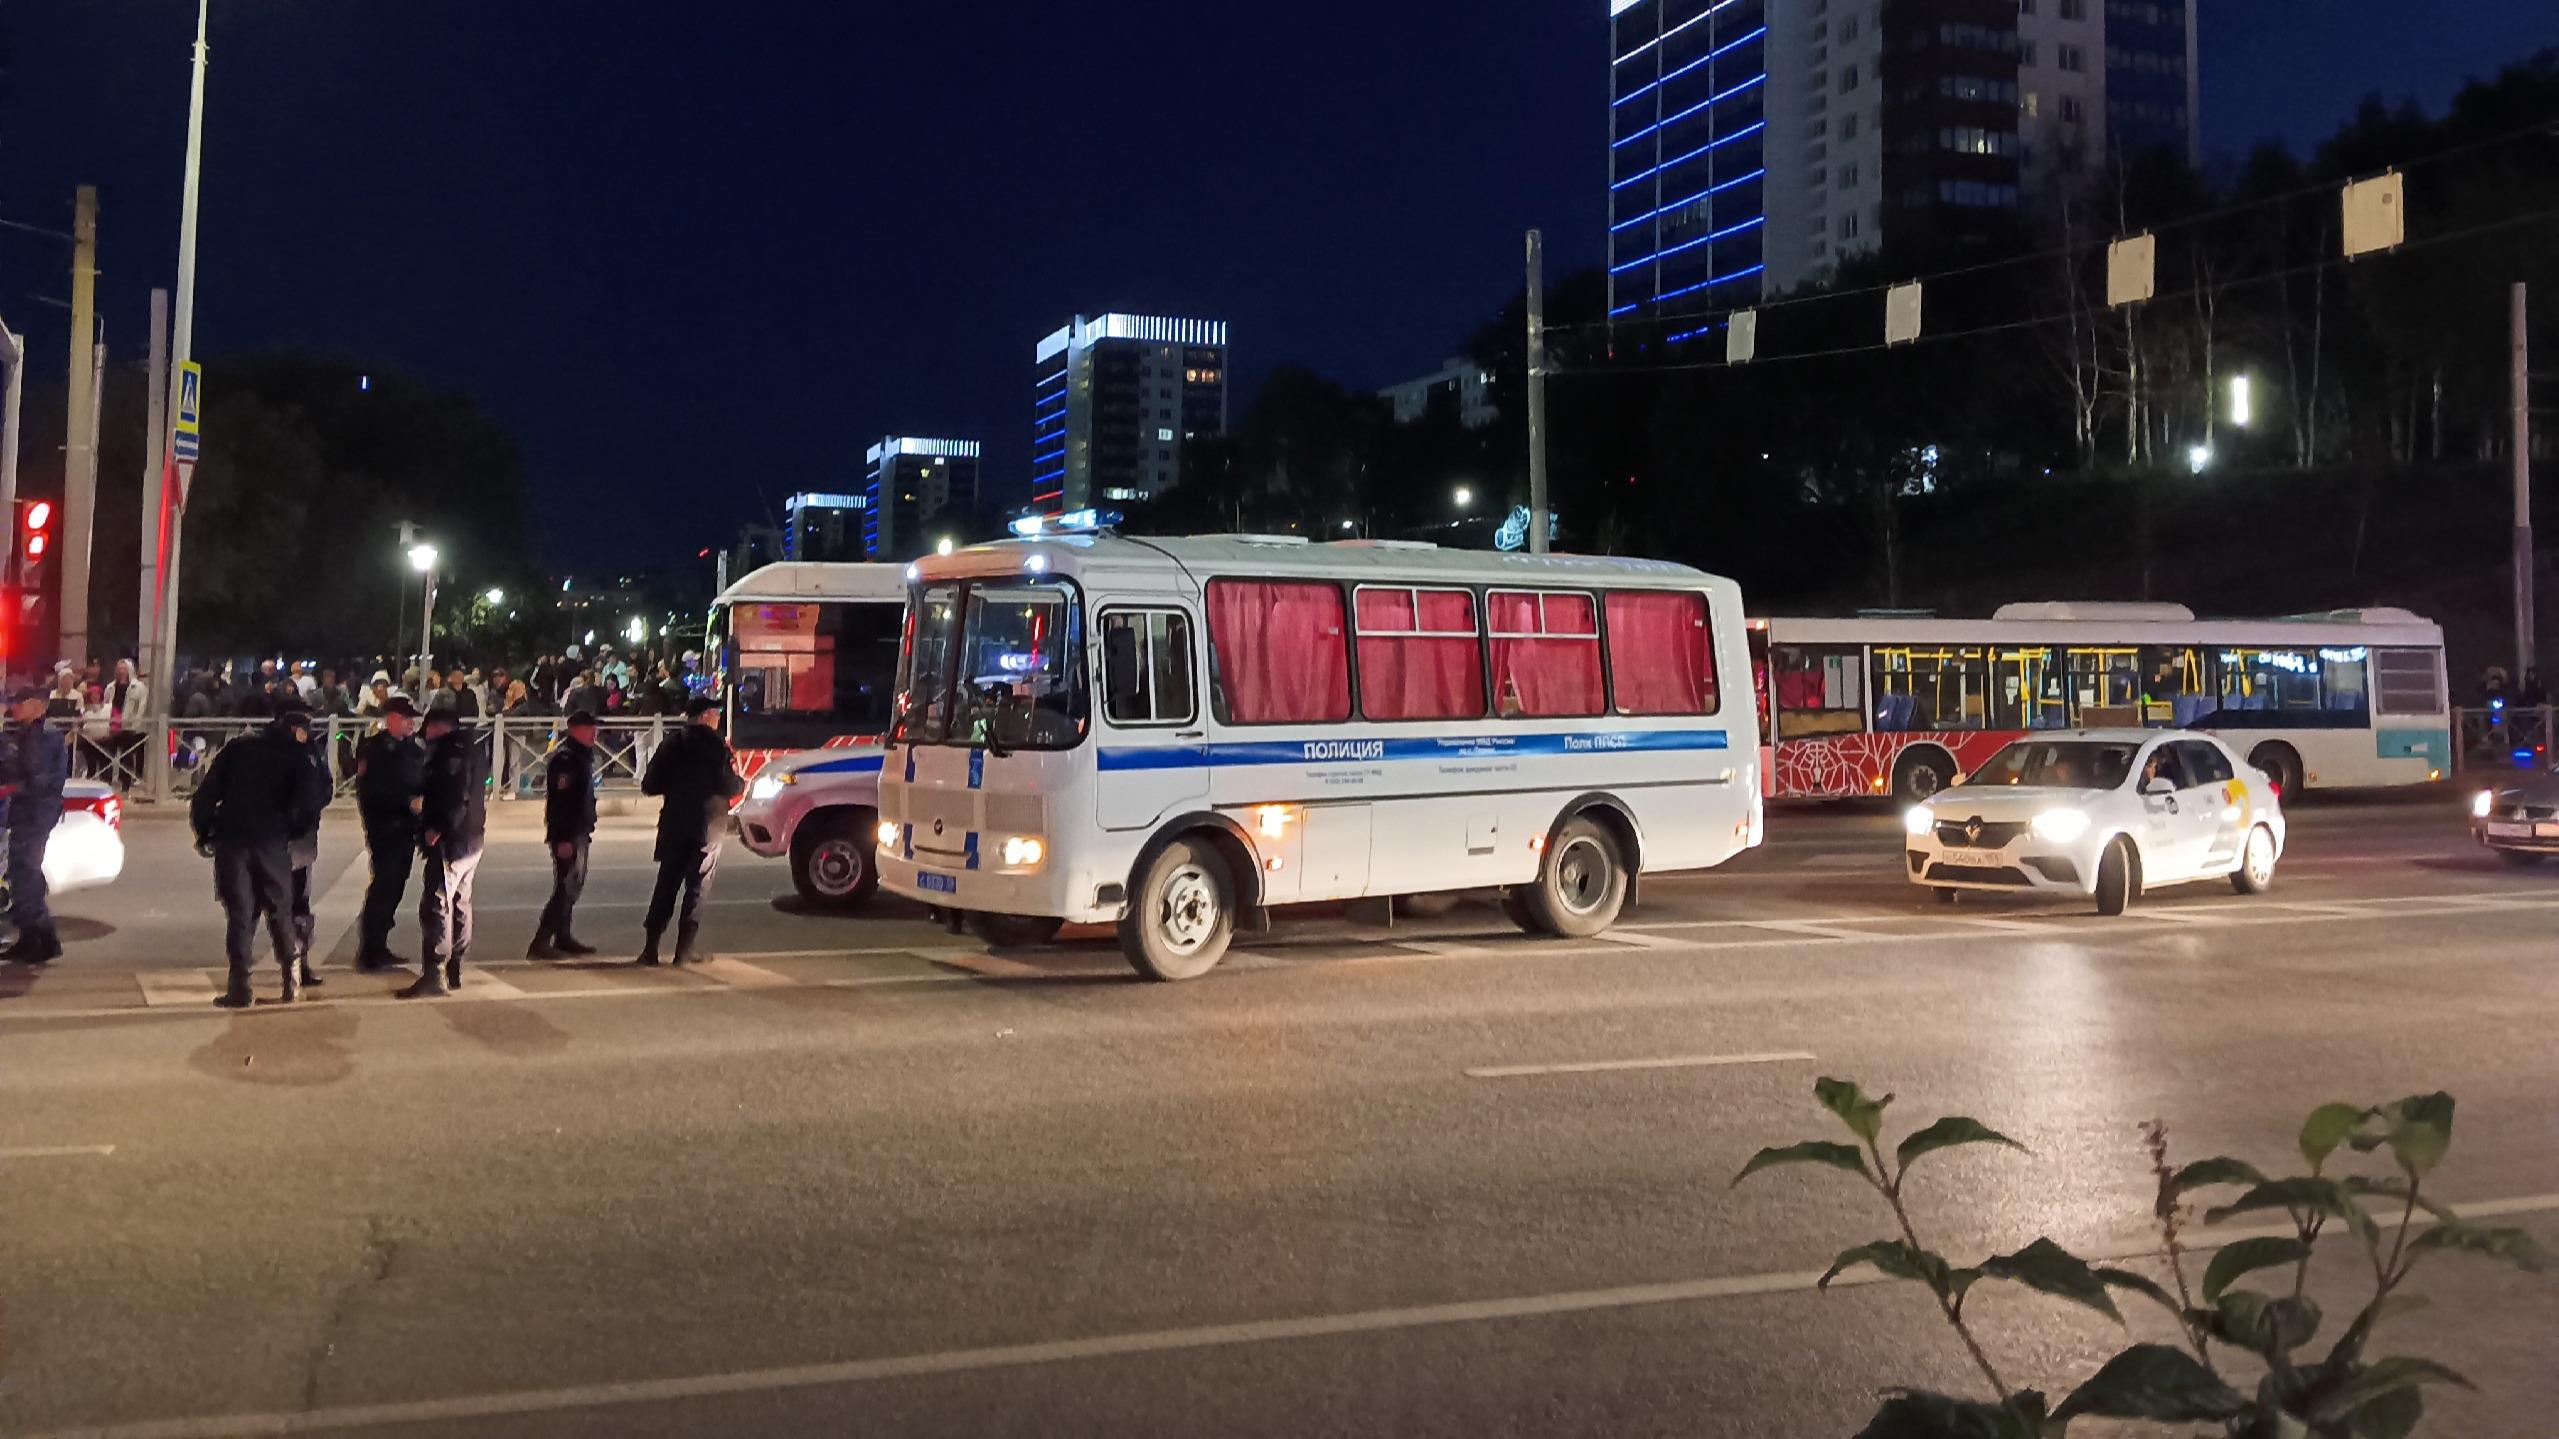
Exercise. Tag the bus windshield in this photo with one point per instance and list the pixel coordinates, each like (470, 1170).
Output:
(2058, 764)
(997, 665)
(802, 674)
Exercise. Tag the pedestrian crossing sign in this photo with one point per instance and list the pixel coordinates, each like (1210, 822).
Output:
(186, 436)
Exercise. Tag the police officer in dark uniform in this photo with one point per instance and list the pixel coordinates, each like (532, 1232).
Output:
(568, 823)
(390, 780)
(452, 829)
(251, 802)
(33, 778)
(695, 778)
(303, 845)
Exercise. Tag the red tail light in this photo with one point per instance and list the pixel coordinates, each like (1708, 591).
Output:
(105, 806)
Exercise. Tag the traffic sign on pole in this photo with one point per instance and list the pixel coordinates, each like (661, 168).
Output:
(189, 430)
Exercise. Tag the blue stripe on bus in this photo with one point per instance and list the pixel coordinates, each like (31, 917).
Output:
(969, 848)
(1366, 751)
(977, 769)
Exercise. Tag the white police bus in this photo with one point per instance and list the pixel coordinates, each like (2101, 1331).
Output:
(1176, 735)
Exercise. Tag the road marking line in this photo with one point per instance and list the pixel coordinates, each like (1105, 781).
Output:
(478, 983)
(746, 976)
(1817, 931)
(2011, 926)
(181, 987)
(1611, 1066)
(1446, 949)
(57, 1151)
(519, 1402)
(990, 966)
(1638, 940)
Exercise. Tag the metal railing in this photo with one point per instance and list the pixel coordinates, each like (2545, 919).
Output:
(2504, 736)
(516, 746)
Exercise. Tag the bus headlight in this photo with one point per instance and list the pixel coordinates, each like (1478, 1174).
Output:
(2060, 826)
(1917, 820)
(769, 786)
(1022, 852)
(2485, 802)
(888, 834)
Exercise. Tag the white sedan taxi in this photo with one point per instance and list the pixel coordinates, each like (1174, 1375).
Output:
(2106, 814)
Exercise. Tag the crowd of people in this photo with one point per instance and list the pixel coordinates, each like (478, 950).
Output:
(606, 684)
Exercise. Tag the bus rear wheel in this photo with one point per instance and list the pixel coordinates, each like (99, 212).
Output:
(2281, 765)
(1582, 884)
(1182, 914)
(1922, 773)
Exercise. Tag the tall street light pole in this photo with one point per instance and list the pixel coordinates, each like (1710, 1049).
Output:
(164, 650)
(422, 559)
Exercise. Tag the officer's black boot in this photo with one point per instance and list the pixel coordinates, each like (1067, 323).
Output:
(310, 977)
(542, 947)
(48, 947)
(571, 945)
(292, 982)
(649, 950)
(238, 995)
(453, 971)
(685, 952)
(429, 984)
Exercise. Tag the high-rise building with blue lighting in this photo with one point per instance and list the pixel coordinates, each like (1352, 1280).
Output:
(1688, 157)
(1756, 144)
(1114, 401)
(910, 485)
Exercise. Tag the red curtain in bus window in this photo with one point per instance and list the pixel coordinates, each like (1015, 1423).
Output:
(1283, 654)
(1545, 654)
(1418, 657)
(1660, 654)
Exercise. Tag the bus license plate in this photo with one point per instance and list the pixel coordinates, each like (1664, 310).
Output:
(1971, 859)
(938, 883)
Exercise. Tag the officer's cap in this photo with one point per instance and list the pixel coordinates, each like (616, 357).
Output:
(400, 705)
(699, 706)
(579, 717)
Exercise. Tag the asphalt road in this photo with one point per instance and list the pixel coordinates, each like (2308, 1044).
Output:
(865, 1177)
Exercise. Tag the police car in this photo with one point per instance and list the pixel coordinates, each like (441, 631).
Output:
(820, 809)
(2106, 814)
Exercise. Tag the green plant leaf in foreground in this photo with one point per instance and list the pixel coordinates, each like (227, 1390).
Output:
(1901, 1262)
(2326, 1128)
(2384, 1377)
(2304, 1194)
(2204, 1173)
(2511, 1245)
(2046, 1266)
(2391, 1416)
(1946, 1133)
(1917, 1414)
(2420, 1129)
(1864, 1117)
(2140, 1284)
(2365, 1187)
(2262, 1323)
(2246, 1257)
(2153, 1381)
(1811, 1151)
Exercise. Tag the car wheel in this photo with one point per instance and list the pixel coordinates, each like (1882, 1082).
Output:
(1921, 774)
(2520, 858)
(1581, 886)
(2118, 877)
(1014, 931)
(2256, 872)
(1183, 915)
(831, 859)
(2281, 765)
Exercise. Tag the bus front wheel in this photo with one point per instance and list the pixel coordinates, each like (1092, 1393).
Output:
(1922, 773)
(1582, 884)
(1182, 915)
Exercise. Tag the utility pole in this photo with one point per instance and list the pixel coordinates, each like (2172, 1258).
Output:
(17, 355)
(155, 434)
(80, 430)
(1537, 536)
(164, 649)
(2523, 490)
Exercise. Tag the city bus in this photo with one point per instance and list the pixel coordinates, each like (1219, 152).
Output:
(1905, 705)
(804, 656)
(1178, 736)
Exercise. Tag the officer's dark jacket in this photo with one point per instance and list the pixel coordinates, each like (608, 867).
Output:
(693, 773)
(457, 794)
(258, 791)
(389, 773)
(39, 765)
(568, 793)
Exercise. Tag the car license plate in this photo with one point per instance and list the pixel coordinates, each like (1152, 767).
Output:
(1972, 859)
(938, 883)
(2510, 831)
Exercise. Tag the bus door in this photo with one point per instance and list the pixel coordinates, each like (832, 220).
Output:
(1153, 756)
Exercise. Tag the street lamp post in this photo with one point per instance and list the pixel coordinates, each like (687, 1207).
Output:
(162, 656)
(422, 559)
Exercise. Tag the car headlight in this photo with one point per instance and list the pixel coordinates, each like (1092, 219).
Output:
(2060, 826)
(767, 786)
(888, 834)
(2485, 802)
(1918, 820)
(1022, 851)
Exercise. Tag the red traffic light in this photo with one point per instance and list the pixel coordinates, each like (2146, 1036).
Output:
(35, 546)
(39, 514)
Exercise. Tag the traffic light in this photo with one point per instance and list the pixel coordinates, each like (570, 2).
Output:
(35, 529)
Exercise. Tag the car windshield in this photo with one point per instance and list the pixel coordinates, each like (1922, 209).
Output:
(997, 665)
(2058, 764)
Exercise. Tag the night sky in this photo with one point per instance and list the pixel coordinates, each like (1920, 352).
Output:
(694, 256)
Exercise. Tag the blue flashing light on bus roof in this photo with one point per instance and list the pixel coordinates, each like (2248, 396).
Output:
(1031, 527)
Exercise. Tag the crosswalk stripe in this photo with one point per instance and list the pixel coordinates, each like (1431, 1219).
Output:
(187, 987)
(478, 983)
(744, 975)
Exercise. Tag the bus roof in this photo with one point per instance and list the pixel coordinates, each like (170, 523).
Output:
(1207, 556)
(2035, 624)
(798, 582)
